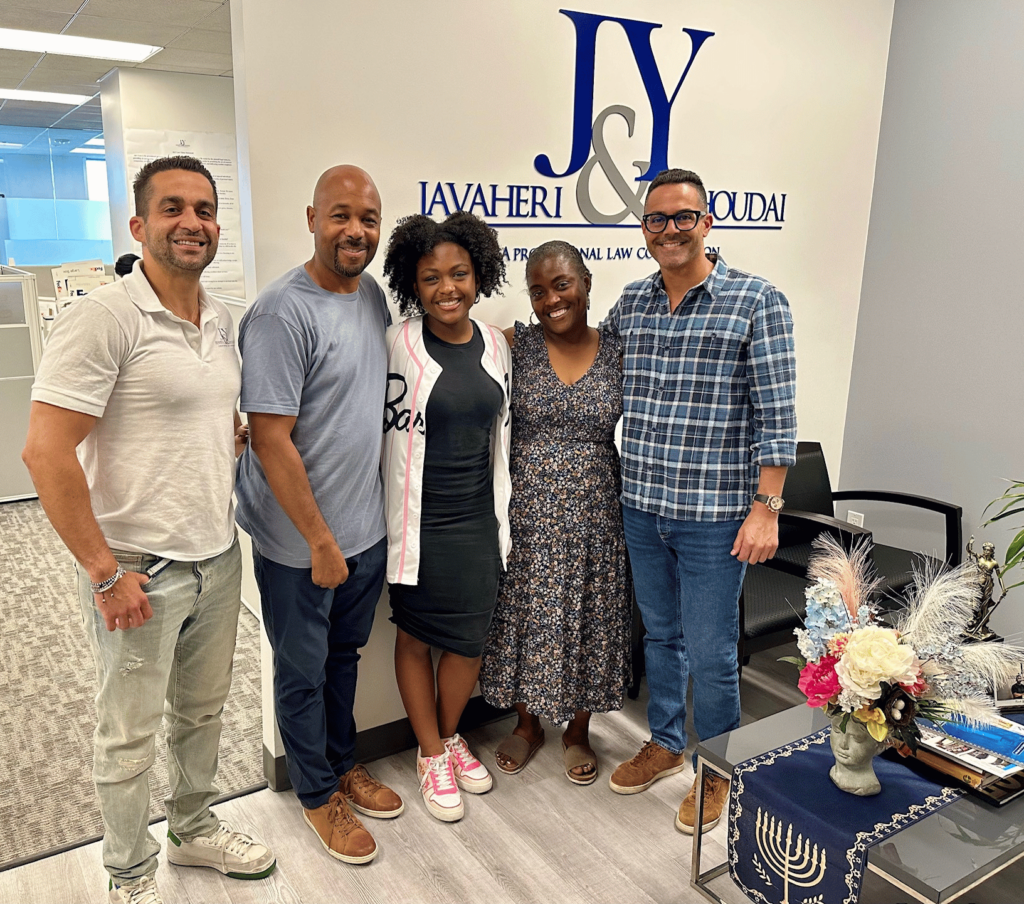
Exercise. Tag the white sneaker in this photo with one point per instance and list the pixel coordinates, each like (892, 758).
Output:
(438, 787)
(137, 891)
(233, 853)
(470, 773)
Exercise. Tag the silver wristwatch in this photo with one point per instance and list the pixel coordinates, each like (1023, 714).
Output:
(774, 503)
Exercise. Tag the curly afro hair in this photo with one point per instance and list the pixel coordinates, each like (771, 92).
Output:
(418, 235)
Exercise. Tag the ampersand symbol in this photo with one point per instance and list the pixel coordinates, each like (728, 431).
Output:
(632, 199)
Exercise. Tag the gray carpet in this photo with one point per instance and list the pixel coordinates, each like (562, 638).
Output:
(47, 685)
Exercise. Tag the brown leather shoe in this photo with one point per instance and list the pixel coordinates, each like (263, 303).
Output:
(716, 794)
(340, 831)
(651, 763)
(369, 796)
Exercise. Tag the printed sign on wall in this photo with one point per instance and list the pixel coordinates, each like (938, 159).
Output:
(217, 153)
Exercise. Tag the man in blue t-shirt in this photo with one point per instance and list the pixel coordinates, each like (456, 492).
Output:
(314, 374)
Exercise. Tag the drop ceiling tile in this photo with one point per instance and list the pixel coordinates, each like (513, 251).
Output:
(58, 86)
(43, 81)
(18, 16)
(18, 59)
(136, 31)
(19, 116)
(74, 121)
(53, 6)
(219, 19)
(176, 12)
(12, 73)
(208, 41)
(83, 69)
(198, 59)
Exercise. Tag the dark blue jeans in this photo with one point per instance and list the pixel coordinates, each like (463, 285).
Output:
(688, 588)
(316, 635)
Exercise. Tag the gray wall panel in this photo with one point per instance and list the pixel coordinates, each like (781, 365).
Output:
(935, 401)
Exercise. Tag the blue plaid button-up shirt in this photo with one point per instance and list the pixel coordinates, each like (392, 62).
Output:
(709, 393)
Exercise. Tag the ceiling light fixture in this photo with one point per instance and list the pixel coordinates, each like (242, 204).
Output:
(10, 144)
(96, 152)
(45, 97)
(72, 45)
(96, 142)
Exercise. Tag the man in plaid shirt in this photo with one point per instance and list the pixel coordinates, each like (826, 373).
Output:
(709, 429)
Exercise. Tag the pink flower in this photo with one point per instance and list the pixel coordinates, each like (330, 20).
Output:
(837, 643)
(916, 689)
(819, 680)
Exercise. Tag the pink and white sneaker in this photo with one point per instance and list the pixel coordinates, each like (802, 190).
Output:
(472, 775)
(438, 787)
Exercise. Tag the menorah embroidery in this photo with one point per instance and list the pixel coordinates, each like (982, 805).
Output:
(795, 865)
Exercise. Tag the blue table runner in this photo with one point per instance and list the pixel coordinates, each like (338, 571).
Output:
(795, 838)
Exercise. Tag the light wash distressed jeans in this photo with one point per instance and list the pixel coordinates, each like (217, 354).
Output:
(176, 666)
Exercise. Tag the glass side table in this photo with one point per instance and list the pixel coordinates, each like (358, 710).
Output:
(936, 860)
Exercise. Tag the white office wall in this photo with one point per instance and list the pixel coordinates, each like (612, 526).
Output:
(783, 99)
(935, 398)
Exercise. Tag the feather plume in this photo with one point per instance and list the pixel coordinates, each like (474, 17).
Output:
(850, 571)
(983, 662)
(941, 605)
(976, 709)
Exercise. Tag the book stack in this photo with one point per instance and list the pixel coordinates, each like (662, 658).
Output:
(989, 759)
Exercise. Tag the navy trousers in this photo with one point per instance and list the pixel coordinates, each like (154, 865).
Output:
(316, 635)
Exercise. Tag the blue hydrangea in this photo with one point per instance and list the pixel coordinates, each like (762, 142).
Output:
(826, 616)
(957, 682)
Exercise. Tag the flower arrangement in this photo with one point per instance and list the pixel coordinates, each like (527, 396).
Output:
(852, 663)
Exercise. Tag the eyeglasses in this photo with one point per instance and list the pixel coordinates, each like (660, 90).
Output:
(685, 220)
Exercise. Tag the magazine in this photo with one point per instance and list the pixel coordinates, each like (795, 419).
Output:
(976, 759)
(1002, 742)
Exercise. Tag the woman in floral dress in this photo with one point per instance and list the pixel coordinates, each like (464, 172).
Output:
(559, 642)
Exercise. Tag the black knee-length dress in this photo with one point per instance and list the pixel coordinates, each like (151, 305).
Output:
(451, 605)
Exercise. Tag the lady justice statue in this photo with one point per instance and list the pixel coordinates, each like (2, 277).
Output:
(988, 573)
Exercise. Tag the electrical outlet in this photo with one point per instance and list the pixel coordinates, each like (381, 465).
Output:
(855, 518)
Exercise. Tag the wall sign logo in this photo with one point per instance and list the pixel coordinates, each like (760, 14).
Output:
(587, 130)
(533, 205)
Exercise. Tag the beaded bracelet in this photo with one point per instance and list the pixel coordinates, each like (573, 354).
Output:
(104, 586)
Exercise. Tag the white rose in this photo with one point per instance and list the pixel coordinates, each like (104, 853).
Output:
(873, 655)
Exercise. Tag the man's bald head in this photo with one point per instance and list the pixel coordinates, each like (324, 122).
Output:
(340, 177)
(345, 221)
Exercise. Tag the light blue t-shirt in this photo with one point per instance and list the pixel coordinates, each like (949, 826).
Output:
(320, 357)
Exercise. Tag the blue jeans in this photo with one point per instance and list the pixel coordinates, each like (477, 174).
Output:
(316, 635)
(687, 588)
(176, 666)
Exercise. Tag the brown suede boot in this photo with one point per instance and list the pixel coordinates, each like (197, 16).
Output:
(651, 763)
(340, 831)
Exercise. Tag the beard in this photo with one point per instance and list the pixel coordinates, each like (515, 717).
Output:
(165, 252)
(349, 271)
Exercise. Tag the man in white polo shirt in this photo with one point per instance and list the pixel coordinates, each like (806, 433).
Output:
(131, 446)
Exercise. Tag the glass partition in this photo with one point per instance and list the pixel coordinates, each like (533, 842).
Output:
(53, 197)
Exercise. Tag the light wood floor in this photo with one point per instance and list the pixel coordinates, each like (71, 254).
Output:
(534, 838)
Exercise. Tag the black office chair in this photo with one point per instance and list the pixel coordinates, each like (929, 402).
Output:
(772, 601)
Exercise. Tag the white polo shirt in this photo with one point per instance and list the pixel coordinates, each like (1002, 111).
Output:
(160, 460)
